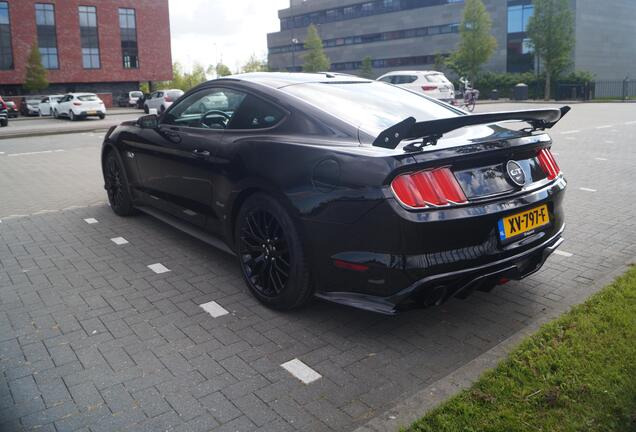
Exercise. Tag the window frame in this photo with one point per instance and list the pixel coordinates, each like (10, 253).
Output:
(10, 52)
(54, 25)
(121, 37)
(82, 48)
(247, 92)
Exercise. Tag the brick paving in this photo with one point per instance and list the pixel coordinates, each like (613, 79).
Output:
(91, 339)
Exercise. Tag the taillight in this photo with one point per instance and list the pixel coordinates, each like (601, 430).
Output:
(167, 99)
(77, 103)
(436, 187)
(549, 165)
(429, 87)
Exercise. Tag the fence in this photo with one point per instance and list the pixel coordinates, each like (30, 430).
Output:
(620, 89)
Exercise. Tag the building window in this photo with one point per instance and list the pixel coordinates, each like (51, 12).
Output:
(128, 31)
(47, 39)
(519, 17)
(520, 56)
(89, 37)
(6, 53)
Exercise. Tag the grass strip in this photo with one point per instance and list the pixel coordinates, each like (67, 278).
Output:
(577, 373)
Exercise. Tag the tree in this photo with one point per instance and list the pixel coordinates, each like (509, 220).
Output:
(476, 44)
(551, 33)
(222, 70)
(254, 64)
(36, 76)
(315, 60)
(184, 80)
(366, 71)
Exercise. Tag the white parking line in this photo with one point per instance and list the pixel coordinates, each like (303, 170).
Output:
(604, 127)
(570, 132)
(301, 371)
(563, 253)
(630, 122)
(158, 268)
(91, 221)
(587, 190)
(119, 241)
(34, 153)
(600, 159)
(214, 309)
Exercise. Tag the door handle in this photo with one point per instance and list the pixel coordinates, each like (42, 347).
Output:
(201, 153)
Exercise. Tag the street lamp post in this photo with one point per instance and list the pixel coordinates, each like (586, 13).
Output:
(294, 42)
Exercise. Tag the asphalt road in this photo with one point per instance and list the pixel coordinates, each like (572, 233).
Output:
(48, 124)
(93, 339)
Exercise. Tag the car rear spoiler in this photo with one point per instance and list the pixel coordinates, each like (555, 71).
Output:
(432, 130)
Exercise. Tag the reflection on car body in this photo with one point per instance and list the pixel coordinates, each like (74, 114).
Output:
(346, 189)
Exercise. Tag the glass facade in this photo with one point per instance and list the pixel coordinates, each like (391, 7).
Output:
(519, 50)
(47, 38)
(6, 52)
(128, 32)
(358, 10)
(375, 37)
(89, 37)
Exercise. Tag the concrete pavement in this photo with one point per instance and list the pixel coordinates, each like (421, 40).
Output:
(92, 338)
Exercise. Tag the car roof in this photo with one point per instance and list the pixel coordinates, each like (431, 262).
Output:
(424, 72)
(81, 94)
(282, 79)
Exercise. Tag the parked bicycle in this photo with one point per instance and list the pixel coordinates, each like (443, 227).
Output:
(469, 94)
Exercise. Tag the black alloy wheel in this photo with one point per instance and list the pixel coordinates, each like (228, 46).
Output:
(117, 186)
(271, 255)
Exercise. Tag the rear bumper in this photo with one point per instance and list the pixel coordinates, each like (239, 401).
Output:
(97, 113)
(438, 288)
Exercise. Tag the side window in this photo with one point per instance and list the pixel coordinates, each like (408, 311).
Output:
(255, 113)
(386, 79)
(211, 108)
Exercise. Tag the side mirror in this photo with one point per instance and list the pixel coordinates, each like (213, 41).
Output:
(150, 121)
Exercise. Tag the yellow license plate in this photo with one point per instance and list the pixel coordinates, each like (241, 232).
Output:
(523, 223)
(92, 112)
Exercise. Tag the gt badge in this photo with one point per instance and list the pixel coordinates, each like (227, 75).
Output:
(515, 173)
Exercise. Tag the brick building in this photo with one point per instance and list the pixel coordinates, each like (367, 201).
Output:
(102, 46)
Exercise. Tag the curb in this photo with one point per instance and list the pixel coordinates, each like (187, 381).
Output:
(110, 113)
(414, 407)
(30, 134)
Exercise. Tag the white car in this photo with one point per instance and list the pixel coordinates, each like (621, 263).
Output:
(161, 100)
(47, 104)
(431, 83)
(80, 105)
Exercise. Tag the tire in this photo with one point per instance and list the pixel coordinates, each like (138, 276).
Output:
(116, 185)
(55, 115)
(71, 116)
(162, 109)
(271, 254)
(146, 110)
(102, 116)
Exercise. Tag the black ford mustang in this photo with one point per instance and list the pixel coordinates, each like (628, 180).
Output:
(350, 190)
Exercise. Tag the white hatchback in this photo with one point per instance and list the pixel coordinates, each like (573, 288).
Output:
(161, 100)
(431, 83)
(80, 105)
(48, 103)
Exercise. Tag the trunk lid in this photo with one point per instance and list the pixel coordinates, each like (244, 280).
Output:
(483, 159)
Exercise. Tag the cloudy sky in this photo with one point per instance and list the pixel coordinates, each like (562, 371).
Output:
(207, 31)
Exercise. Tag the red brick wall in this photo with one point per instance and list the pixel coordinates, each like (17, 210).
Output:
(153, 39)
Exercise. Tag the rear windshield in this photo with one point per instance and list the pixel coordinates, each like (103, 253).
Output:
(436, 78)
(175, 94)
(136, 94)
(372, 106)
(87, 98)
